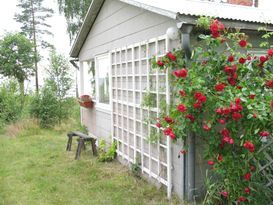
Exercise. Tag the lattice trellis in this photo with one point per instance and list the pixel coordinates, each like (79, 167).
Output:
(266, 165)
(132, 78)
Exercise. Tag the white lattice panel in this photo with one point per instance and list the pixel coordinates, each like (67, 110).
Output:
(132, 77)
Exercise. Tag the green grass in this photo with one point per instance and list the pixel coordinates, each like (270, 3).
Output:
(36, 169)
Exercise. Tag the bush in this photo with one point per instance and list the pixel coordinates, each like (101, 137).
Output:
(50, 110)
(10, 103)
(45, 108)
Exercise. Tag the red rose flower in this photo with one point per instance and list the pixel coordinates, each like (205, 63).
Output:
(220, 158)
(183, 151)
(264, 134)
(182, 73)
(206, 127)
(231, 141)
(220, 87)
(269, 83)
(219, 111)
(230, 59)
(200, 97)
(231, 81)
(237, 101)
(171, 56)
(211, 162)
(254, 115)
(182, 93)
(225, 133)
(216, 27)
(168, 120)
(224, 194)
(167, 131)
(230, 69)
(190, 117)
(197, 105)
(250, 146)
(252, 96)
(226, 111)
(158, 124)
(242, 43)
(242, 60)
(241, 199)
(197, 95)
(247, 176)
(270, 52)
(181, 108)
(263, 59)
(172, 135)
(247, 190)
(160, 63)
(222, 121)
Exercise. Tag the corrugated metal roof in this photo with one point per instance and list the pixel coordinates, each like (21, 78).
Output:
(172, 9)
(206, 8)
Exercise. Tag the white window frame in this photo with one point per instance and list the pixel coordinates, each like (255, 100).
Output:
(99, 105)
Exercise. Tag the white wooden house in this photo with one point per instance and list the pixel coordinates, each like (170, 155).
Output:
(115, 43)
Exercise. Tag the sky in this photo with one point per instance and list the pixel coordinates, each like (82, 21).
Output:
(8, 24)
(60, 39)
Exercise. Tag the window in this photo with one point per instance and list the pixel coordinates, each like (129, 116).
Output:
(89, 78)
(102, 63)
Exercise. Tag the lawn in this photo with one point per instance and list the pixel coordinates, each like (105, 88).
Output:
(36, 169)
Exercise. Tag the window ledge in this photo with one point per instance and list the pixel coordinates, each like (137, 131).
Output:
(103, 108)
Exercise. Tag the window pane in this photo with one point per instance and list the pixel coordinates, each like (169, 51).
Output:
(103, 79)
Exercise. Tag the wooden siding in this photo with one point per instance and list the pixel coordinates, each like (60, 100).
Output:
(119, 24)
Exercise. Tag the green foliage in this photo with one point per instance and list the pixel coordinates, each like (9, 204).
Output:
(204, 22)
(136, 169)
(52, 105)
(39, 162)
(74, 12)
(148, 100)
(266, 36)
(16, 57)
(10, 106)
(225, 96)
(59, 75)
(45, 107)
(109, 154)
(32, 18)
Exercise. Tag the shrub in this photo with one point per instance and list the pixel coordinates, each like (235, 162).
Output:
(224, 95)
(45, 107)
(110, 154)
(10, 103)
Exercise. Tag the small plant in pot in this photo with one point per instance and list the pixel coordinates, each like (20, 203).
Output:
(86, 101)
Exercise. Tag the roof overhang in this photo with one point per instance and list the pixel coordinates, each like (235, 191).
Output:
(186, 11)
(88, 22)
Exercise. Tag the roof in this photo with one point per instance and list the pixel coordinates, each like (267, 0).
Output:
(175, 9)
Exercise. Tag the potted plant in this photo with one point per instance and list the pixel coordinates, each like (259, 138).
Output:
(86, 101)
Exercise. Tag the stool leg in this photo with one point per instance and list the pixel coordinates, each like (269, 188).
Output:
(80, 145)
(93, 145)
(69, 143)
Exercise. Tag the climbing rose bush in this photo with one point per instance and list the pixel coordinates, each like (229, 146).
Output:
(223, 95)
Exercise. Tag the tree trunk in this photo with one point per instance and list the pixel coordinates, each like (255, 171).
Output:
(22, 93)
(35, 48)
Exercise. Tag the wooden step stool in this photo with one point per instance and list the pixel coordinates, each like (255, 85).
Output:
(82, 138)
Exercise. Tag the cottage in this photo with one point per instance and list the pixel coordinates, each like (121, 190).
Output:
(114, 47)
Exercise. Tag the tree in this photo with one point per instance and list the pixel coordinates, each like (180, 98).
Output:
(74, 12)
(17, 58)
(32, 18)
(59, 72)
(59, 82)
